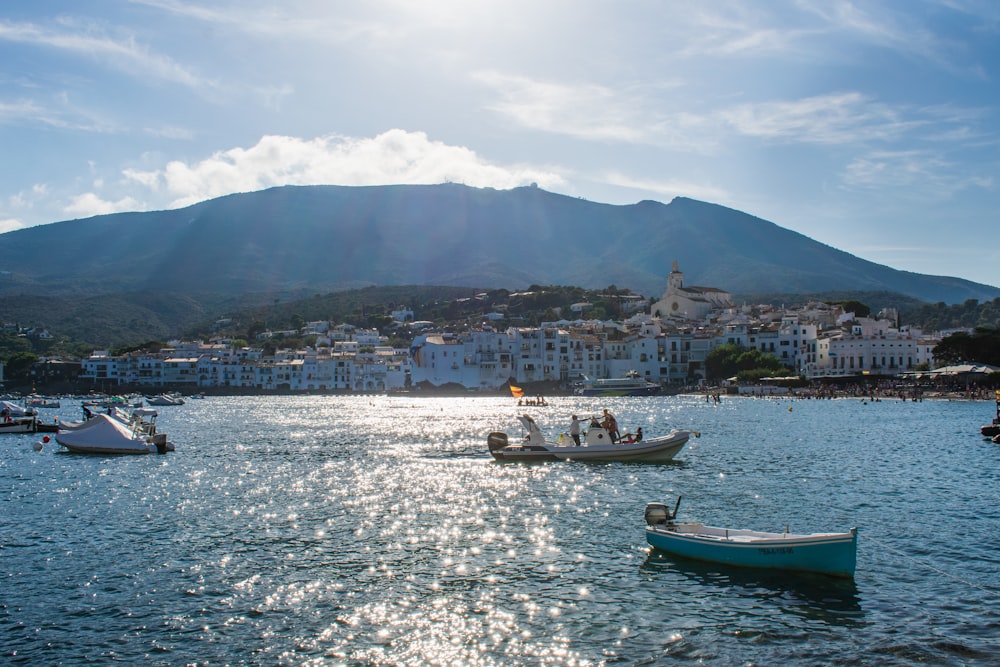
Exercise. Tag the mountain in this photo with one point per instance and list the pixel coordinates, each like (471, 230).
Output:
(312, 239)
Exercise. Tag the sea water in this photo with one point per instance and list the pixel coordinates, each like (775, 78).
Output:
(377, 530)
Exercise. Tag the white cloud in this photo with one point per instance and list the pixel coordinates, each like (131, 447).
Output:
(919, 174)
(89, 204)
(589, 111)
(10, 225)
(824, 119)
(603, 114)
(89, 40)
(592, 112)
(395, 156)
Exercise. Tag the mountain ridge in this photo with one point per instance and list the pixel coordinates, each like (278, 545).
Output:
(322, 238)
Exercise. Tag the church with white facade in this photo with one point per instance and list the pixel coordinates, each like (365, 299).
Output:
(689, 303)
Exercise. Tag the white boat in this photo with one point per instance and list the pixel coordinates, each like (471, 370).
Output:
(12, 410)
(103, 434)
(140, 419)
(41, 402)
(28, 424)
(165, 399)
(596, 445)
(630, 385)
(16, 419)
(825, 553)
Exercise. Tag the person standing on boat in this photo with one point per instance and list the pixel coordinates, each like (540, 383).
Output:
(574, 429)
(610, 425)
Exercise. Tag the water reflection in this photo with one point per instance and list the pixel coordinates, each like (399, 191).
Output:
(812, 597)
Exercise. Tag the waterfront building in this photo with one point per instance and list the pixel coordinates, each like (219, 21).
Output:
(866, 346)
(479, 359)
(102, 369)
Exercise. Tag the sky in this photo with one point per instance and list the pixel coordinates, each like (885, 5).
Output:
(872, 127)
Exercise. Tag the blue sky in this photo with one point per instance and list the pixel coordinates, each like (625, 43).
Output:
(872, 127)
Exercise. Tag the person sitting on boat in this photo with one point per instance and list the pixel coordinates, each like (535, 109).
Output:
(638, 434)
(610, 425)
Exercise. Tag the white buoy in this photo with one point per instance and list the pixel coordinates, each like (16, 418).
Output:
(37, 446)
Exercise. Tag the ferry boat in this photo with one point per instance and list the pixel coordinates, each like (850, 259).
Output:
(630, 385)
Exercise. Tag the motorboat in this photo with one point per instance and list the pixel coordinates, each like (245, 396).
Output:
(103, 434)
(141, 419)
(41, 402)
(17, 419)
(115, 401)
(26, 424)
(13, 410)
(596, 445)
(629, 385)
(164, 399)
(833, 554)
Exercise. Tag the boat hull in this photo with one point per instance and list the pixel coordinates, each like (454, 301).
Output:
(655, 450)
(621, 391)
(833, 554)
(19, 425)
(97, 449)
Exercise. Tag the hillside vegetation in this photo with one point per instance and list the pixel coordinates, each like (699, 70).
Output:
(81, 325)
(320, 239)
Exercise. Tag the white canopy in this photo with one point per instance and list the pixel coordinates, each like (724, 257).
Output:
(103, 434)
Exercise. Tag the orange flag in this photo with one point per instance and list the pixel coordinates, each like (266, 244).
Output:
(516, 392)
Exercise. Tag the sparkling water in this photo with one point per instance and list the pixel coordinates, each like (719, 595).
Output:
(378, 530)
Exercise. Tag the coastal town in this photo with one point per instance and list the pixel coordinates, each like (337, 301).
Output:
(665, 342)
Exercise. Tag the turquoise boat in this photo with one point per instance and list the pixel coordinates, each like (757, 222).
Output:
(833, 554)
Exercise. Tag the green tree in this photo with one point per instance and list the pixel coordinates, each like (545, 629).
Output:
(11, 344)
(18, 368)
(256, 327)
(853, 306)
(982, 346)
(730, 359)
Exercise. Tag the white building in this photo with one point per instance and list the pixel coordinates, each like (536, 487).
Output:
(689, 303)
(480, 359)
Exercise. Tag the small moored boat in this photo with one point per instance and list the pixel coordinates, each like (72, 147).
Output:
(103, 434)
(595, 446)
(165, 399)
(17, 419)
(833, 554)
(41, 402)
(26, 424)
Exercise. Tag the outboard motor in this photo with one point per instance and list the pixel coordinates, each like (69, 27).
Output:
(496, 440)
(160, 441)
(658, 514)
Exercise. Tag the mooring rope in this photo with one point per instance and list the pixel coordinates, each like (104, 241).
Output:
(931, 567)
